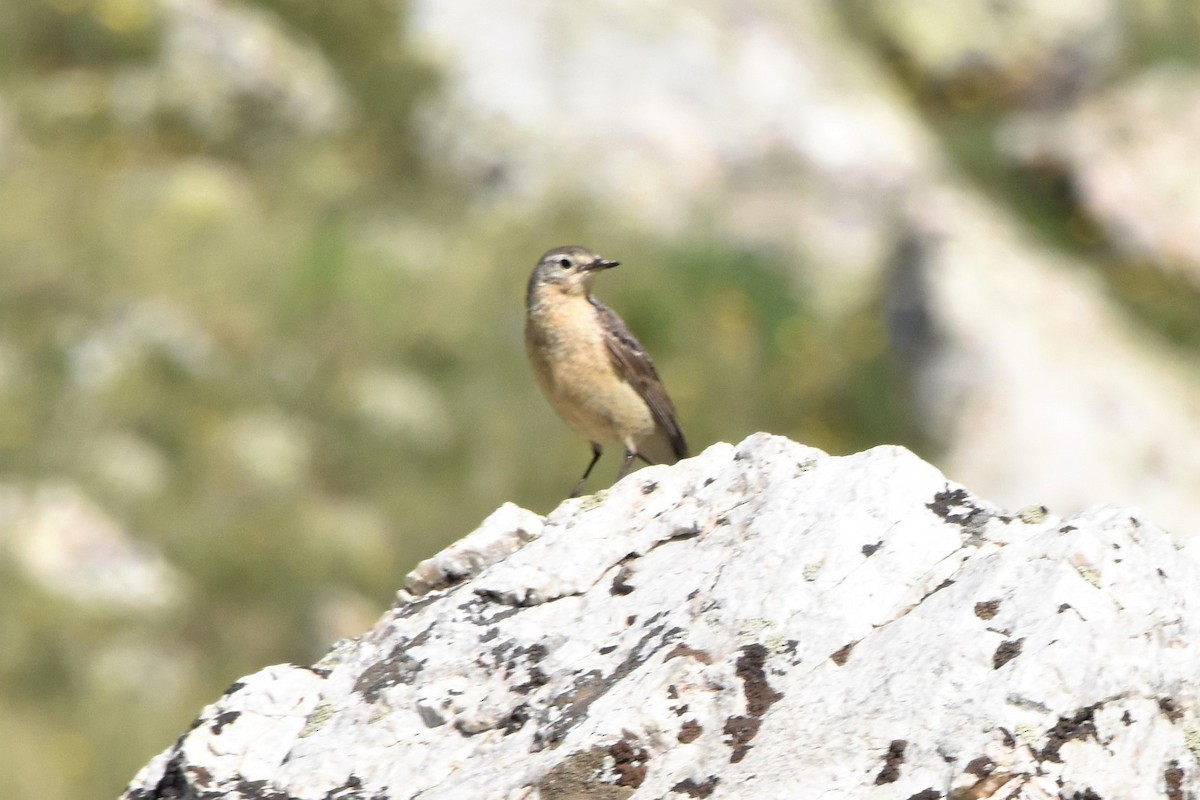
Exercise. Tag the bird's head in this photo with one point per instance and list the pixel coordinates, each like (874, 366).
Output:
(567, 270)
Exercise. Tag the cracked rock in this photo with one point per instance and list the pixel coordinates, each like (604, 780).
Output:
(800, 625)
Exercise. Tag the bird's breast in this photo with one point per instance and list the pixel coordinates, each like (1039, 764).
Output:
(566, 345)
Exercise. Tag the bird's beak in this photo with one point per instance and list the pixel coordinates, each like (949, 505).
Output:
(600, 263)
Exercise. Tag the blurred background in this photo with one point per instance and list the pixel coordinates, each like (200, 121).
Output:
(262, 267)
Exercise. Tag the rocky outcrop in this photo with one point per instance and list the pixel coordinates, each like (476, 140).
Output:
(761, 621)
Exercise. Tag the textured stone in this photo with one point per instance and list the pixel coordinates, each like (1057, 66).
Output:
(762, 620)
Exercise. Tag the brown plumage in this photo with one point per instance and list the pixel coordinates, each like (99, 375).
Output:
(593, 371)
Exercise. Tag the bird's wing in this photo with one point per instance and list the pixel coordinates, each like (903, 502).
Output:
(635, 366)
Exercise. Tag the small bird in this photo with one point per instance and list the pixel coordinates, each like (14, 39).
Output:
(593, 371)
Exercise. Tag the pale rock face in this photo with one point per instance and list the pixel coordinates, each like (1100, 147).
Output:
(1130, 155)
(1046, 51)
(1038, 388)
(761, 621)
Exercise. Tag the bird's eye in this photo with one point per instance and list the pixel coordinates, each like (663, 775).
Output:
(565, 263)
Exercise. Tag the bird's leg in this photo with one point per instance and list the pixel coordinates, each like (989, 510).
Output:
(596, 450)
(630, 455)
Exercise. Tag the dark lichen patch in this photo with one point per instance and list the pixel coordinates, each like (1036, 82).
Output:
(200, 777)
(750, 668)
(477, 608)
(956, 507)
(1086, 794)
(511, 657)
(536, 678)
(1006, 652)
(515, 720)
(173, 783)
(693, 789)
(690, 731)
(649, 487)
(868, 550)
(1067, 529)
(352, 788)
(608, 648)
(630, 763)
(842, 654)
(892, 761)
(221, 720)
(251, 791)
(571, 706)
(944, 584)
(620, 583)
(398, 667)
(683, 534)
(402, 608)
(980, 767)
(987, 609)
(1173, 781)
(581, 775)
(739, 732)
(1080, 725)
(234, 688)
(1169, 708)
(1126, 718)
(682, 650)
(926, 794)
(984, 787)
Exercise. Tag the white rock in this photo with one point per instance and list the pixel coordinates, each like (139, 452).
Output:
(1130, 155)
(759, 621)
(505, 531)
(1040, 390)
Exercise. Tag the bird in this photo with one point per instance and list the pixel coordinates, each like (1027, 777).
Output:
(595, 373)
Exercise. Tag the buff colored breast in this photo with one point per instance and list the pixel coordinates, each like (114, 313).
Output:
(566, 347)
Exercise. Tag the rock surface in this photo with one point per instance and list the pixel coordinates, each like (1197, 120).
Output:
(1130, 156)
(761, 621)
(1037, 387)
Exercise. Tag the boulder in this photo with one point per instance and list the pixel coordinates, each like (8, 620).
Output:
(763, 620)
